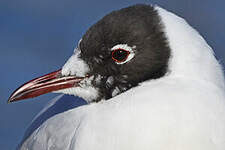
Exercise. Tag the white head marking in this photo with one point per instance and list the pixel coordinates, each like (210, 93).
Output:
(75, 66)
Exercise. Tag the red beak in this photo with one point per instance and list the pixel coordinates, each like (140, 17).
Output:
(44, 84)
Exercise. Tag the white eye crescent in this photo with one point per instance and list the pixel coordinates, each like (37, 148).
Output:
(122, 53)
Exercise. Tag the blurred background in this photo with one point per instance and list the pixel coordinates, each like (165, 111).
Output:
(38, 36)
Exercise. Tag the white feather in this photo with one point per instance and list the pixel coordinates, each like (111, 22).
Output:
(191, 56)
(85, 90)
(75, 66)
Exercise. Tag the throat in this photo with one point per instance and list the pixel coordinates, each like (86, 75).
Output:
(88, 93)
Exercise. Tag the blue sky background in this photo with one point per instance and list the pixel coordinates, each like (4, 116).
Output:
(38, 36)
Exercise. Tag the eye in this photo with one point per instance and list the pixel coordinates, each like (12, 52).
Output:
(120, 55)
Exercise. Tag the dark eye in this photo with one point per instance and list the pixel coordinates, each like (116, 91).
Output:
(120, 55)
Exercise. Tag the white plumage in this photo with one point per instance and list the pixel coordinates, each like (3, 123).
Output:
(184, 110)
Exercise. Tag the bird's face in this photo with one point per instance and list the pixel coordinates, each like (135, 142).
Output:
(123, 49)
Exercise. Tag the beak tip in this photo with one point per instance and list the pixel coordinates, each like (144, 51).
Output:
(10, 100)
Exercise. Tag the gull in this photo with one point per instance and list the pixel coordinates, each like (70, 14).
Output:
(151, 82)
